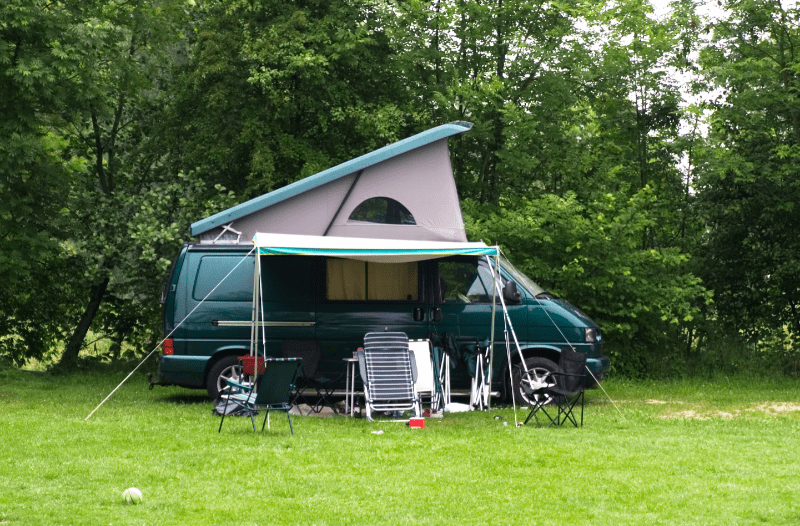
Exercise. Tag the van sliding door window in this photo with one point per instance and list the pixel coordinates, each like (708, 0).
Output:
(351, 280)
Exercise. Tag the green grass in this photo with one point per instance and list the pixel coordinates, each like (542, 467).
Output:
(683, 452)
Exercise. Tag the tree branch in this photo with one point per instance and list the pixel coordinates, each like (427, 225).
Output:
(98, 145)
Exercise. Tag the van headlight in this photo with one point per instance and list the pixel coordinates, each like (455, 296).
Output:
(590, 335)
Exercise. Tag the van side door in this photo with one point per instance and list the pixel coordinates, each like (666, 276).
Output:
(357, 297)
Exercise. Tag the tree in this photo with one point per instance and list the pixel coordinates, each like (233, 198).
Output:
(513, 68)
(750, 178)
(42, 45)
(130, 45)
(637, 104)
(276, 91)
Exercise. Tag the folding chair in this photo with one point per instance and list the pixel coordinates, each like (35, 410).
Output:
(388, 372)
(425, 385)
(442, 348)
(481, 388)
(441, 378)
(271, 392)
(563, 388)
(309, 378)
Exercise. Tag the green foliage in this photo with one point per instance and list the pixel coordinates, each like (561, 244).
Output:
(122, 123)
(314, 86)
(592, 255)
(514, 69)
(750, 182)
(41, 45)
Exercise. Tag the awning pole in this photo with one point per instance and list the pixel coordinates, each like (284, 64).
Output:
(254, 309)
(491, 337)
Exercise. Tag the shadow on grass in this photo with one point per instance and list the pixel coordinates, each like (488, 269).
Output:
(184, 399)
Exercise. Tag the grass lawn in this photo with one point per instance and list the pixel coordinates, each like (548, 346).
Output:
(682, 452)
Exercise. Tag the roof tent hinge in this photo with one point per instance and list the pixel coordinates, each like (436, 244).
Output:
(227, 228)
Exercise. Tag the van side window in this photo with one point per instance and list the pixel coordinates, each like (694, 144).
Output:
(212, 269)
(465, 282)
(351, 280)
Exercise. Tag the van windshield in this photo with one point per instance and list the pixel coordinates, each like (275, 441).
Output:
(521, 278)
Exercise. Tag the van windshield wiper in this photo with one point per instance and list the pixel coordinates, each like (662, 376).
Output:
(546, 296)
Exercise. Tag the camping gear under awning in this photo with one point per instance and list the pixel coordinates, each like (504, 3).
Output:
(366, 249)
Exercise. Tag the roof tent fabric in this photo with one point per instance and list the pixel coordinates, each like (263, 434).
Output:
(413, 175)
(365, 249)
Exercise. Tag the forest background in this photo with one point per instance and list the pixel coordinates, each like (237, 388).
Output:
(642, 165)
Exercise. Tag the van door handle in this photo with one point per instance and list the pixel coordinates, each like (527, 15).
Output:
(419, 314)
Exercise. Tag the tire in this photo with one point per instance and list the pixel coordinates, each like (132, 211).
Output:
(538, 368)
(225, 367)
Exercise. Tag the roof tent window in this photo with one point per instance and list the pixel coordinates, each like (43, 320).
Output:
(382, 210)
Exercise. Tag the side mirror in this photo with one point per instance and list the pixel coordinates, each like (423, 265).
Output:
(510, 292)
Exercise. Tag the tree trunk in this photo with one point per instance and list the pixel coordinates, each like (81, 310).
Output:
(75, 342)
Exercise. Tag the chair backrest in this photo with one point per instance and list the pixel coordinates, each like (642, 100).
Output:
(308, 351)
(275, 383)
(388, 366)
(422, 357)
(572, 363)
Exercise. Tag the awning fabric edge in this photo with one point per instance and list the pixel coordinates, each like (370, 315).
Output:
(366, 249)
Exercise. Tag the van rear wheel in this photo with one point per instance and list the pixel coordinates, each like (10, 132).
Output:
(538, 369)
(225, 368)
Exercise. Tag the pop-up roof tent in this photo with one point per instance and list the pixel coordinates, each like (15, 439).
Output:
(404, 190)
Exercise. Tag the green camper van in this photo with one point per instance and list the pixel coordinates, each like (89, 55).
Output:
(336, 301)
(402, 192)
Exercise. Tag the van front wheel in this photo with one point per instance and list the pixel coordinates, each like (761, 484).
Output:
(538, 368)
(227, 367)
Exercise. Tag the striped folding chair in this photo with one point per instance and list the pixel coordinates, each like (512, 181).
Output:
(388, 371)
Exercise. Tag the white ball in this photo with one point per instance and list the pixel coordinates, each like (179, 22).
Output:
(132, 496)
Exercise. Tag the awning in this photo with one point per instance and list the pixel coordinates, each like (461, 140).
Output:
(366, 249)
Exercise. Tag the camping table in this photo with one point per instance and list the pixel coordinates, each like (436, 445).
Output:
(350, 386)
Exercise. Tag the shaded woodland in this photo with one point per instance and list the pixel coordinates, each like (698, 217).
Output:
(642, 164)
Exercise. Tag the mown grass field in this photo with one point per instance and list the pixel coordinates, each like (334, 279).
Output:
(682, 452)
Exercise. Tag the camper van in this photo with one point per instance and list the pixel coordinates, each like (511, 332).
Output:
(335, 301)
(404, 192)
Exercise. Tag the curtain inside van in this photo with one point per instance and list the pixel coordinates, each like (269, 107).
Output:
(352, 280)
(347, 280)
(392, 281)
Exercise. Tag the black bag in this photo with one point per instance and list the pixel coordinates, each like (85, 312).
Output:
(232, 409)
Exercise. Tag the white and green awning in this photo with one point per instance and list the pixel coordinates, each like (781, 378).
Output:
(366, 249)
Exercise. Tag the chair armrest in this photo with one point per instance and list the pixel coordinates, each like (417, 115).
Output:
(234, 383)
(557, 374)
